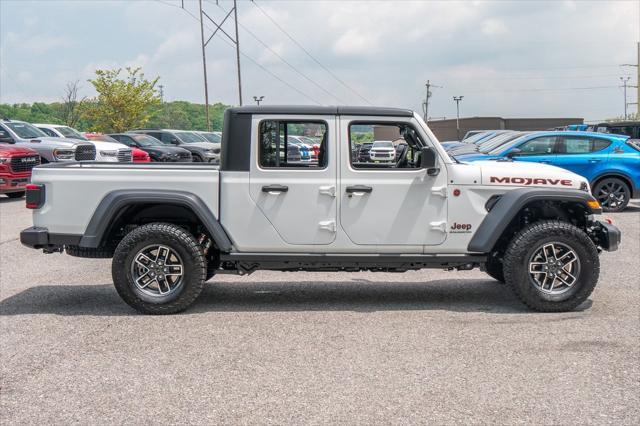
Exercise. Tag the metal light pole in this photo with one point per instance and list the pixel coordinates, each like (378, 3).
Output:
(204, 66)
(624, 84)
(258, 99)
(457, 99)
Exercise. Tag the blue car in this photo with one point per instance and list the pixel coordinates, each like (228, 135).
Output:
(610, 162)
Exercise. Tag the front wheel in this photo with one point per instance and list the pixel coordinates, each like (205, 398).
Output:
(159, 268)
(552, 266)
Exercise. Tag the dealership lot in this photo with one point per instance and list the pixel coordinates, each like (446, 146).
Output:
(310, 347)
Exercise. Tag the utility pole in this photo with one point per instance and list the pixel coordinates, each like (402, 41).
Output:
(161, 89)
(235, 41)
(458, 99)
(258, 99)
(425, 104)
(204, 67)
(624, 84)
(235, 17)
(637, 86)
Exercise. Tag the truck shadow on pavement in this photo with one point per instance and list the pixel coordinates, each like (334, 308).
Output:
(353, 295)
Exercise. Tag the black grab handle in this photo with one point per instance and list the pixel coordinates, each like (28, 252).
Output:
(359, 188)
(275, 188)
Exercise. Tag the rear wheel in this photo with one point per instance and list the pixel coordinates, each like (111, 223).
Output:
(159, 268)
(19, 194)
(196, 159)
(612, 194)
(552, 266)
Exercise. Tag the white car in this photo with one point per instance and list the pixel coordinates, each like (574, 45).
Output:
(105, 151)
(382, 151)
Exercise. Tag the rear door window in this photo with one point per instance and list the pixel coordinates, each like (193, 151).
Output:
(582, 145)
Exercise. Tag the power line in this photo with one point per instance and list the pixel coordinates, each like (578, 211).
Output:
(313, 58)
(266, 46)
(255, 62)
(542, 90)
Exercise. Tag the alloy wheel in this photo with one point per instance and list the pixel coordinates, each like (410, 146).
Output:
(554, 268)
(157, 270)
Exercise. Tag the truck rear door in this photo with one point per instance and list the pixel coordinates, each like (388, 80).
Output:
(296, 193)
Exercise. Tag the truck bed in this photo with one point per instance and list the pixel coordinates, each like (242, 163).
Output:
(78, 188)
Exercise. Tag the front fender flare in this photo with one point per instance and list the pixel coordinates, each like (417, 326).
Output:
(511, 203)
(115, 201)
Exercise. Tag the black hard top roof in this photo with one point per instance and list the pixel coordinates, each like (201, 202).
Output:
(322, 110)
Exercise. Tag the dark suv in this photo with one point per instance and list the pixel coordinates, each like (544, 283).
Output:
(200, 148)
(152, 146)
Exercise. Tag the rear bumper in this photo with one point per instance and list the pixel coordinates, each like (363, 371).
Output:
(607, 236)
(40, 238)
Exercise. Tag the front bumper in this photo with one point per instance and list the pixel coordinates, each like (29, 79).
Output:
(11, 183)
(606, 236)
(40, 238)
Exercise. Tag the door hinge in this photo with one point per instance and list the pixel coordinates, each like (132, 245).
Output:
(328, 225)
(440, 191)
(438, 226)
(329, 190)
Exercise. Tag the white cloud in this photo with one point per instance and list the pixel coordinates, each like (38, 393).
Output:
(493, 27)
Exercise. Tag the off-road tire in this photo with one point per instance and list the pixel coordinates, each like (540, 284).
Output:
(606, 185)
(18, 194)
(531, 238)
(177, 239)
(494, 268)
(92, 253)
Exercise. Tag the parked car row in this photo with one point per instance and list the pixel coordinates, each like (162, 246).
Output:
(611, 162)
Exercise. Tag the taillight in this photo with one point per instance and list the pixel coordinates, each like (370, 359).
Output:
(35, 196)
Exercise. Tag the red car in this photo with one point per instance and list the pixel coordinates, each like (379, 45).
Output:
(139, 156)
(15, 169)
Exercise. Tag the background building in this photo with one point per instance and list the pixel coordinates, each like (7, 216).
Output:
(445, 130)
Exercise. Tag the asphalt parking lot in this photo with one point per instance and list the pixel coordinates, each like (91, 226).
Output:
(420, 347)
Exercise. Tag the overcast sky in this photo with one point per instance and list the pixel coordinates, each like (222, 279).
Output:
(507, 58)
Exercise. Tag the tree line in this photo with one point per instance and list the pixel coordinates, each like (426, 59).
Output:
(122, 103)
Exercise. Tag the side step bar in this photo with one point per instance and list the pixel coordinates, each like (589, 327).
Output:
(246, 263)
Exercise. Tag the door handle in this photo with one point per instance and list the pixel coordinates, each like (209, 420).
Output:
(275, 189)
(594, 160)
(329, 190)
(545, 162)
(359, 189)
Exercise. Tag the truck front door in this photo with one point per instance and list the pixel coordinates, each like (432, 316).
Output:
(294, 190)
(389, 202)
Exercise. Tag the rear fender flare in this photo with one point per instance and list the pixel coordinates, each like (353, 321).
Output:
(115, 201)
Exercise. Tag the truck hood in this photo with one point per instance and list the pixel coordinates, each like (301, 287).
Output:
(7, 151)
(525, 174)
(108, 146)
(56, 142)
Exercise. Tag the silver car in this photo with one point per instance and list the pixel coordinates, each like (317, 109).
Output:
(49, 148)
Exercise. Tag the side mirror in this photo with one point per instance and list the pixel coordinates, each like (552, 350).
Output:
(175, 141)
(428, 160)
(514, 152)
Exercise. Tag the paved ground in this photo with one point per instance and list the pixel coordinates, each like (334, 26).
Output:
(433, 347)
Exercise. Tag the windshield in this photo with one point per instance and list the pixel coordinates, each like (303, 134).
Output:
(493, 143)
(211, 137)
(104, 138)
(146, 140)
(477, 137)
(500, 149)
(25, 130)
(382, 144)
(68, 132)
(188, 137)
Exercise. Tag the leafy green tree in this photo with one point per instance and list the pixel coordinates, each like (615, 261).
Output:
(122, 103)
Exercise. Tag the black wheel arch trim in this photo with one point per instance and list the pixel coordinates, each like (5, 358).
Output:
(635, 191)
(511, 203)
(115, 201)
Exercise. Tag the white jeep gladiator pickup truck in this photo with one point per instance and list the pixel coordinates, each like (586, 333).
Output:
(170, 228)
